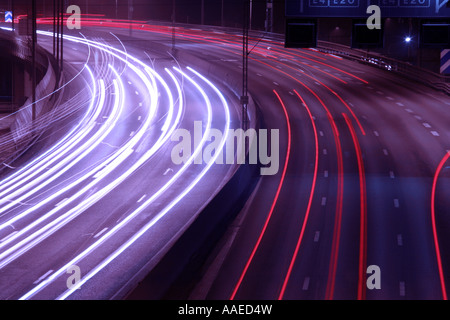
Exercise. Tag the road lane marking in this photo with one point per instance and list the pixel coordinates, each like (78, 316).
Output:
(392, 175)
(325, 152)
(9, 236)
(400, 240)
(396, 203)
(324, 201)
(100, 233)
(306, 284)
(386, 153)
(317, 236)
(402, 288)
(43, 277)
(400, 104)
(376, 133)
(167, 171)
(141, 198)
(321, 133)
(435, 133)
(409, 110)
(325, 174)
(426, 125)
(61, 202)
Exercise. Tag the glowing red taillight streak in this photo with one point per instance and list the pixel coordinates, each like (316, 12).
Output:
(433, 219)
(311, 196)
(363, 214)
(275, 200)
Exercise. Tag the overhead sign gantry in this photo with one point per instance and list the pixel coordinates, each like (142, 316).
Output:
(358, 8)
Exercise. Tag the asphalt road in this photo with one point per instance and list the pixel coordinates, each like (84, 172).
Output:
(360, 150)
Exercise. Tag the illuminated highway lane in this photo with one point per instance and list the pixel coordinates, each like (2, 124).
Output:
(75, 199)
(359, 152)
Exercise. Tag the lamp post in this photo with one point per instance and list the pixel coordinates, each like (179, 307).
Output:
(245, 53)
(33, 54)
(203, 13)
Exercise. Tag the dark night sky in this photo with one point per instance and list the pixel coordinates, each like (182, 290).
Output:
(188, 11)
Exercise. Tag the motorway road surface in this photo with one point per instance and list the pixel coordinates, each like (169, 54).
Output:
(363, 179)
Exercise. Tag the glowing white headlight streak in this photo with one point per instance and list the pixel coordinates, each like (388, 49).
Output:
(27, 243)
(150, 86)
(61, 167)
(22, 174)
(161, 214)
(148, 202)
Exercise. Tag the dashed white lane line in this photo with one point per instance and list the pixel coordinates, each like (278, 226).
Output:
(325, 174)
(435, 133)
(61, 202)
(426, 125)
(418, 118)
(306, 284)
(409, 110)
(396, 203)
(325, 151)
(400, 104)
(100, 233)
(390, 98)
(386, 153)
(43, 277)
(400, 240)
(324, 201)
(141, 198)
(321, 133)
(8, 236)
(392, 175)
(402, 288)
(376, 133)
(317, 236)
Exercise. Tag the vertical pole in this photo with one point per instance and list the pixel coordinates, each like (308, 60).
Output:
(222, 15)
(250, 15)
(57, 31)
(173, 26)
(54, 28)
(62, 35)
(203, 12)
(130, 14)
(13, 15)
(33, 53)
(244, 97)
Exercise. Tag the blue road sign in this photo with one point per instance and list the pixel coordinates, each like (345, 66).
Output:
(8, 16)
(445, 61)
(358, 8)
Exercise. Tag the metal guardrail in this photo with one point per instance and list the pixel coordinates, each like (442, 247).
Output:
(427, 77)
